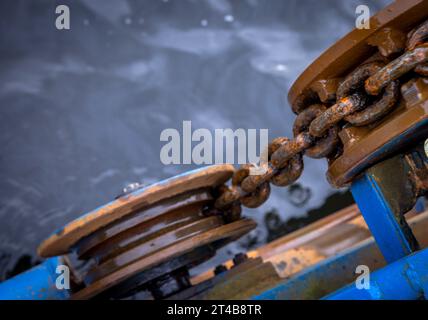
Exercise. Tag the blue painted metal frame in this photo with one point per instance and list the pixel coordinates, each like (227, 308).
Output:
(321, 279)
(37, 283)
(380, 219)
(405, 279)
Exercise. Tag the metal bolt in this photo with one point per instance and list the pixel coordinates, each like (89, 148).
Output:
(239, 258)
(131, 188)
(220, 269)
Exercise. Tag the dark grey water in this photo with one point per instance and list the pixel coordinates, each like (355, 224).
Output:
(81, 111)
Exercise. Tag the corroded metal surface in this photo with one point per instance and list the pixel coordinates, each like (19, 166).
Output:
(422, 69)
(377, 109)
(355, 47)
(396, 69)
(66, 237)
(227, 232)
(364, 147)
(324, 146)
(166, 215)
(150, 237)
(367, 68)
(336, 113)
(418, 36)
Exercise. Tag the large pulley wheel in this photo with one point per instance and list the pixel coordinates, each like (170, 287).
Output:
(155, 232)
(395, 113)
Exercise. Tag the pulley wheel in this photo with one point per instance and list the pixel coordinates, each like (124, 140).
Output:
(158, 229)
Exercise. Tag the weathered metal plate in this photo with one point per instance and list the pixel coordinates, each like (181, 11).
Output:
(64, 239)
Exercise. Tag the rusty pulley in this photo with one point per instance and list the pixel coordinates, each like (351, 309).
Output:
(372, 84)
(156, 232)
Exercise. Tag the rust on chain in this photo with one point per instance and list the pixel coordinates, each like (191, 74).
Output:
(241, 174)
(316, 128)
(232, 211)
(291, 171)
(377, 109)
(250, 182)
(336, 113)
(288, 150)
(253, 190)
(422, 69)
(276, 144)
(355, 80)
(323, 146)
(227, 197)
(258, 195)
(308, 96)
(231, 195)
(418, 36)
(279, 177)
(395, 69)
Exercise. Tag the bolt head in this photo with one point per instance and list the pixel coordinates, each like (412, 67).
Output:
(132, 187)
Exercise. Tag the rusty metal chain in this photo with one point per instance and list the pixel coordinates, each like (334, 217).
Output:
(365, 96)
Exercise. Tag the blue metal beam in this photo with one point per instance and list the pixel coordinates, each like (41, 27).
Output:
(381, 220)
(37, 283)
(405, 279)
(327, 276)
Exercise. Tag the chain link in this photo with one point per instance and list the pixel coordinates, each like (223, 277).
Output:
(365, 96)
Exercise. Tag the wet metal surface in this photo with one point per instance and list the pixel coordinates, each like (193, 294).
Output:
(396, 69)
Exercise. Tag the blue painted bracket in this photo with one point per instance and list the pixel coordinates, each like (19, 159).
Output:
(390, 237)
(321, 279)
(37, 283)
(405, 279)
